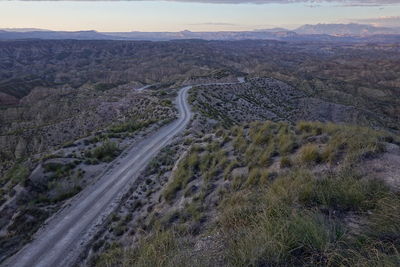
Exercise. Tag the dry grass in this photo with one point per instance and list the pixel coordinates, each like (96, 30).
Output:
(161, 248)
(309, 154)
(286, 223)
(182, 176)
(295, 217)
(285, 162)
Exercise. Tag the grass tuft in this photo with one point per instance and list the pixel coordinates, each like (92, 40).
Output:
(309, 154)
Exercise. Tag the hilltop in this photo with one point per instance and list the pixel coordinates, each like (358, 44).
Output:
(261, 194)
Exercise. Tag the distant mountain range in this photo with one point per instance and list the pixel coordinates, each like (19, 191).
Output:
(346, 29)
(45, 34)
(319, 32)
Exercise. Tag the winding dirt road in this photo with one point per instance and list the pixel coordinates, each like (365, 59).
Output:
(63, 238)
(65, 235)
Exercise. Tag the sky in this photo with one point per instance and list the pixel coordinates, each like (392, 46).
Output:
(194, 15)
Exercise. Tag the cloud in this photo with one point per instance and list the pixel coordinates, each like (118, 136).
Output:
(312, 3)
(350, 2)
(213, 24)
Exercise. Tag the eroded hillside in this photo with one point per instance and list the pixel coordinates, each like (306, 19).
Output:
(265, 194)
(361, 75)
(271, 99)
(48, 118)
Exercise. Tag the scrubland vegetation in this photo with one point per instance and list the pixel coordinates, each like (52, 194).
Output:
(18, 173)
(130, 126)
(259, 194)
(106, 152)
(273, 194)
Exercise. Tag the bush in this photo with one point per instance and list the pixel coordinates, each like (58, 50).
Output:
(106, 152)
(53, 167)
(69, 144)
(17, 174)
(130, 126)
(166, 102)
(107, 86)
(67, 194)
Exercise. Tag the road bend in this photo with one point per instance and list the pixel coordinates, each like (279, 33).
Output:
(60, 241)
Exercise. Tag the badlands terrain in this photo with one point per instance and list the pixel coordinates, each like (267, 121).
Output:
(220, 153)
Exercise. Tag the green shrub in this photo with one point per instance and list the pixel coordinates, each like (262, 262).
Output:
(69, 144)
(166, 102)
(67, 194)
(106, 152)
(53, 167)
(60, 170)
(17, 174)
(119, 229)
(107, 86)
(130, 126)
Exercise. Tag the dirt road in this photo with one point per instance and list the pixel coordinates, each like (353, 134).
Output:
(60, 241)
